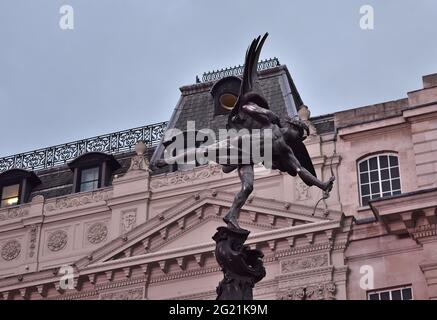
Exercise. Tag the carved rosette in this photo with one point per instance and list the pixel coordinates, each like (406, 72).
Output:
(97, 233)
(10, 250)
(57, 241)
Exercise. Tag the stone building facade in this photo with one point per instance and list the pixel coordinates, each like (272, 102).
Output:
(130, 232)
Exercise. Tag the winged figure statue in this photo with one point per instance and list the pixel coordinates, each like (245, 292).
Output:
(251, 111)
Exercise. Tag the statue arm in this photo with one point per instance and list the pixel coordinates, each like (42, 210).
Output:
(261, 114)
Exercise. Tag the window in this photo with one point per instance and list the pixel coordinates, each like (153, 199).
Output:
(89, 179)
(16, 185)
(225, 93)
(10, 195)
(401, 293)
(92, 170)
(379, 177)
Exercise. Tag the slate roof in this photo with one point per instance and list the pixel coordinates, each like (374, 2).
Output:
(196, 102)
(58, 181)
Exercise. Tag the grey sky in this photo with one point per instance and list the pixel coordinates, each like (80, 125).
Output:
(122, 65)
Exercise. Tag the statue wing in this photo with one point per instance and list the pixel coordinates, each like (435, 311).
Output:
(250, 72)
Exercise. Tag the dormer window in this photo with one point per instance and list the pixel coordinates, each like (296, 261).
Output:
(15, 186)
(89, 179)
(92, 170)
(225, 93)
(10, 195)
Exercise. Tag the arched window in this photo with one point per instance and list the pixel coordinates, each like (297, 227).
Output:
(378, 176)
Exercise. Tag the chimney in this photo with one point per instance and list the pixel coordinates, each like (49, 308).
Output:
(430, 81)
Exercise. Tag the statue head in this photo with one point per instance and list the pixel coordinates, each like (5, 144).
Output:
(294, 130)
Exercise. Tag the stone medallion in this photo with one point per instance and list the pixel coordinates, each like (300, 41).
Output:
(10, 250)
(97, 233)
(57, 240)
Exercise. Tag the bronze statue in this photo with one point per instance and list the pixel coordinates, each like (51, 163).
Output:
(251, 111)
(243, 267)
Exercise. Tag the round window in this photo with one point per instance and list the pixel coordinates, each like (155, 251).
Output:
(227, 101)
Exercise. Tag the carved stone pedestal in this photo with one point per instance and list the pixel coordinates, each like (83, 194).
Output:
(242, 267)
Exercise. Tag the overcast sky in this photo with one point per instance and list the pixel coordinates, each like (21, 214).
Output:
(122, 65)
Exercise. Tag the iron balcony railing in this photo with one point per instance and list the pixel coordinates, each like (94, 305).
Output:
(113, 143)
(238, 70)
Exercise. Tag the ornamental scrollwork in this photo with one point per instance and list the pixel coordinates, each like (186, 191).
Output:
(304, 263)
(77, 201)
(14, 213)
(129, 294)
(181, 177)
(321, 291)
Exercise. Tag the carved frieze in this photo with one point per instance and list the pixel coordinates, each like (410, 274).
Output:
(321, 291)
(57, 240)
(293, 294)
(10, 250)
(97, 233)
(127, 294)
(77, 201)
(303, 263)
(181, 177)
(14, 213)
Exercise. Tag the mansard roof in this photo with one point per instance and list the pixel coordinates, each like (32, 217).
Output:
(52, 164)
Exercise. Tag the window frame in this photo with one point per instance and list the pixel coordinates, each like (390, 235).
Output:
(27, 180)
(377, 156)
(390, 290)
(99, 178)
(19, 184)
(106, 163)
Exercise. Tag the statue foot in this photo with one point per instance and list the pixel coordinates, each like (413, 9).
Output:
(329, 184)
(231, 221)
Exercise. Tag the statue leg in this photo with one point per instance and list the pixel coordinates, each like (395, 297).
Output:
(245, 172)
(307, 177)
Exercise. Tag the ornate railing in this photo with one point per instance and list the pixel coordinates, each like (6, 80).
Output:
(238, 70)
(113, 143)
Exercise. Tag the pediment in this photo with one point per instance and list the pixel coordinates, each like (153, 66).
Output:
(194, 220)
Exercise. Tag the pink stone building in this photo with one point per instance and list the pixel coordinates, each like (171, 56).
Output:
(91, 220)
